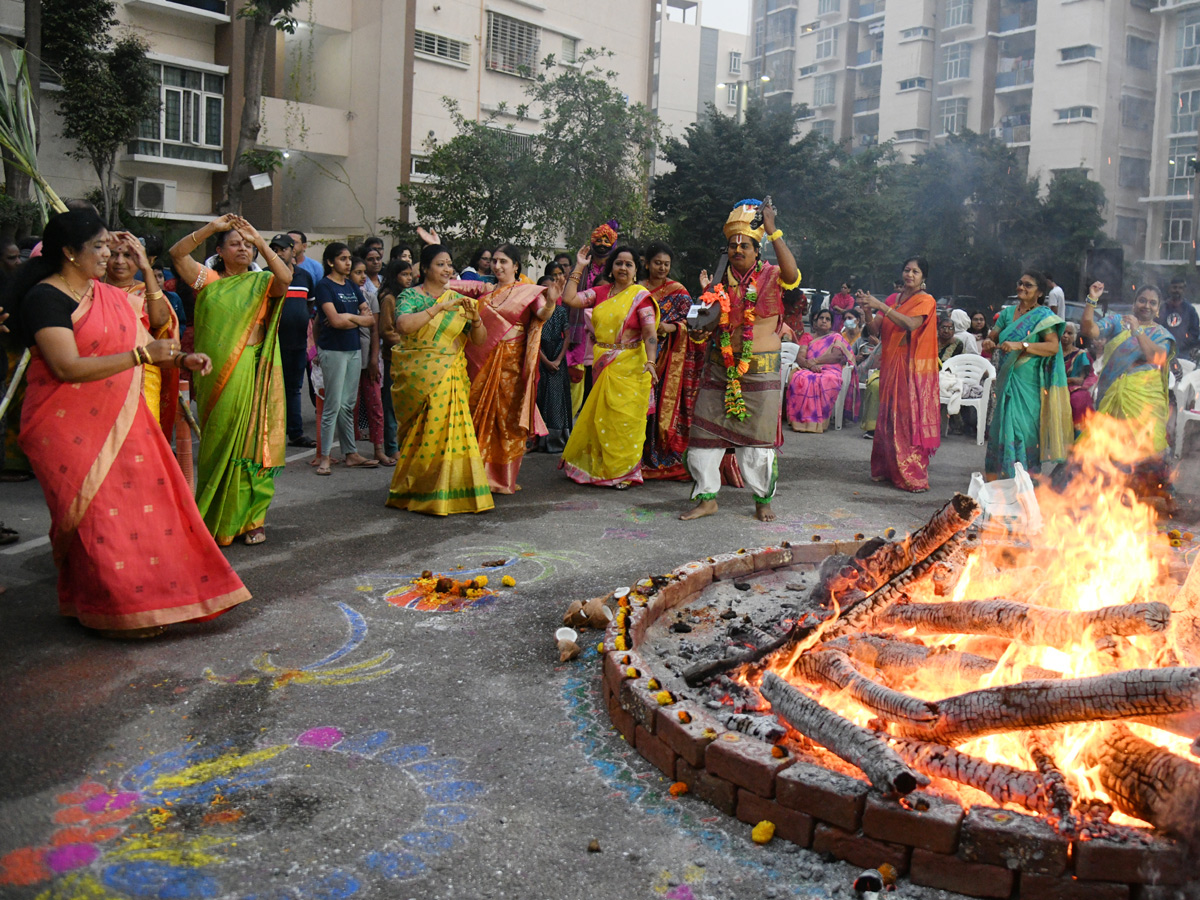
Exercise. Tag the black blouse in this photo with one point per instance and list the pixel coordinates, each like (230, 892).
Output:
(45, 306)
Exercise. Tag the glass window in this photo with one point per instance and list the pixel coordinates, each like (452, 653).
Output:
(912, 84)
(731, 94)
(1134, 172)
(1140, 53)
(824, 90)
(912, 134)
(1083, 51)
(1180, 160)
(953, 114)
(431, 44)
(824, 7)
(956, 61)
(1129, 230)
(1187, 41)
(1137, 112)
(512, 45)
(909, 34)
(959, 12)
(735, 62)
(1073, 113)
(826, 43)
(1185, 105)
(1177, 231)
(823, 128)
(189, 123)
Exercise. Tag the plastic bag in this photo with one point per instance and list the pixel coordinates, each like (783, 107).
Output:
(1009, 504)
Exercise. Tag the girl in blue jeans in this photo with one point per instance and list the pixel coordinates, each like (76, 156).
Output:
(341, 309)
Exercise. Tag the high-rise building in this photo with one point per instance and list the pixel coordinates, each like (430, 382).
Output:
(1067, 84)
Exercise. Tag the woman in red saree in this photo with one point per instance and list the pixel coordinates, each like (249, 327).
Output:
(132, 552)
(908, 429)
(504, 369)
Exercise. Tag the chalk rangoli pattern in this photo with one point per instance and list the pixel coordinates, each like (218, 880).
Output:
(168, 828)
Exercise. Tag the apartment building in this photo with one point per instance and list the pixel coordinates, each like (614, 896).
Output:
(1065, 83)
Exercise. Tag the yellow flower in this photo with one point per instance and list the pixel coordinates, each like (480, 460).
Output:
(620, 642)
(1174, 534)
(763, 832)
(664, 698)
(631, 672)
(652, 684)
(481, 581)
(508, 581)
(600, 648)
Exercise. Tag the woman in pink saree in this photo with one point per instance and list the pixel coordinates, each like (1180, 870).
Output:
(813, 389)
(504, 368)
(908, 429)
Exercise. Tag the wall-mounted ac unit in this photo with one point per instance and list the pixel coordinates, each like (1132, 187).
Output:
(998, 132)
(151, 195)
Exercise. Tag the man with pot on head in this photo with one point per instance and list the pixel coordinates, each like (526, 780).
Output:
(579, 342)
(738, 404)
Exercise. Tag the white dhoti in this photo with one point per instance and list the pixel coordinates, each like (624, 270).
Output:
(757, 465)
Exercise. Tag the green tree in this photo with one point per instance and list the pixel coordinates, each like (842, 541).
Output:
(264, 19)
(108, 85)
(1072, 221)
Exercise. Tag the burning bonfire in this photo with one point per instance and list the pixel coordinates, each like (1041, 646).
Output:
(1057, 672)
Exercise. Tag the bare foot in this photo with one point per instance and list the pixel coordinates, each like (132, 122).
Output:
(763, 512)
(703, 508)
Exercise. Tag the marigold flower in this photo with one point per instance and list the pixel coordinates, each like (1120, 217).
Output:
(678, 789)
(652, 684)
(664, 698)
(481, 581)
(600, 648)
(763, 832)
(778, 752)
(508, 581)
(1174, 534)
(631, 672)
(619, 643)
(685, 716)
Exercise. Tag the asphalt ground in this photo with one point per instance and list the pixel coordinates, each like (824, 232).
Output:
(324, 741)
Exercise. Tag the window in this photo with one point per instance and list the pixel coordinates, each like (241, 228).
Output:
(1177, 231)
(1129, 230)
(1185, 107)
(1180, 161)
(1076, 113)
(430, 44)
(909, 34)
(570, 51)
(1140, 53)
(953, 114)
(913, 134)
(512, 45)
(735, 62)
(1137, 112)
(824, 90)
(1133, 172)
(806, 70)
(826, 43)
(956, 62)
(825, 7)
(959, 12)
(823, 128)
(912, 84)
(189, 123)
(731, 94)
(1083, 51)
(1187, 41)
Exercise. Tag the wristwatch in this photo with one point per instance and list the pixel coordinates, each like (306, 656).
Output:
(1024, 345)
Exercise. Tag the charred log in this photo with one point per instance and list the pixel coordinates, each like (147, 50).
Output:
(1004, 784)
(833, 669)
(1148, 782)
(897, 657)
(1062, 801)
(858, 746)
(892, 559)
(1028, 624)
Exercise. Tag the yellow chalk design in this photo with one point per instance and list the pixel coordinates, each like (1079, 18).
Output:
(214, 768)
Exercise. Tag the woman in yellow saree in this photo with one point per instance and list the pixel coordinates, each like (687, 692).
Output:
(241, 403)
(606, 446)
(438, 469)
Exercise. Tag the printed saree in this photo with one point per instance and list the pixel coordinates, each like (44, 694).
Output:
(438, 470)
(241, 404)
(605, 447)
(678, 367)
(1031, 422)
(1132, 386)
(907, 426)
(812, 394)
(1079, 365)
(504, 375)
(127, 538)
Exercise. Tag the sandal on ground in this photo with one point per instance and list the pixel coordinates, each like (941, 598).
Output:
(255, 536)
(363, 464)
(387, 461)
(323, 469)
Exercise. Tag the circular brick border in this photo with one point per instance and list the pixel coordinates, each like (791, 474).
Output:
(986, 852)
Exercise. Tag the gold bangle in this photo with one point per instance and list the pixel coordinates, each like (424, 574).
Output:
(157, 295)
(136, 362)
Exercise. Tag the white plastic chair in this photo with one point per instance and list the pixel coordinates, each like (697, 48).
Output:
(840, 407)
(1187, 397)
(969, 369)
(787, 364)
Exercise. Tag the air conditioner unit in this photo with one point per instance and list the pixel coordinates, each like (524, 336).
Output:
(151, 195)
(998, 132)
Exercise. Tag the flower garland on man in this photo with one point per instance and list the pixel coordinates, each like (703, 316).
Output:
(738, 405)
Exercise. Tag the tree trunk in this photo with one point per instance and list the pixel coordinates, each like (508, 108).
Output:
(257, 34)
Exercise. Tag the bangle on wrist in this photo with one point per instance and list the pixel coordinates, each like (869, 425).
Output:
(774, 235)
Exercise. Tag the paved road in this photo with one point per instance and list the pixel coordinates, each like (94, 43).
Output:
(323, 742)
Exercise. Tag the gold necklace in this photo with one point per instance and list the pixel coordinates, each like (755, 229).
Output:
(78, 296)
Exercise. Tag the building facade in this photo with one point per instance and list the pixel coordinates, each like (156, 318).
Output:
(1067, 84)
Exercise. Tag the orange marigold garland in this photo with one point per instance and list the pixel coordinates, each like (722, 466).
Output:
(735, 403)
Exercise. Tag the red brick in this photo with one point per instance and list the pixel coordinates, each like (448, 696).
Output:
(654, 751)
(621, 720)
(790, 825)
(811, 553)
(729, 566)
(865, 852)
(927, 822)
(639, 621)
(772, 558)
(1160, 862)
(949, 873)
(717, 791)
(822, 794)
(688, 739)
(699, 575)
(745, 761)
(1013, 840)
(638, 700)
(1043, 887)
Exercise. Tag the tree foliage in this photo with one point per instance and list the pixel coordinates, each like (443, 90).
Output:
(108, 85)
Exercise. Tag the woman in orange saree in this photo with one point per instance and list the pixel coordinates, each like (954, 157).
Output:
(504, 369)
(132, 552)
(908, 429)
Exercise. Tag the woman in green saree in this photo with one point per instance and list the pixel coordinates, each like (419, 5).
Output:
(439, 469)
(241, 403)
(1032, 419)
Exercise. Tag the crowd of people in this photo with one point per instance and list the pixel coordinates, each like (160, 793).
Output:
(453, 376)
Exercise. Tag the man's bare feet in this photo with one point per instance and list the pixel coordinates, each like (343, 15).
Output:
(703, 508)
(763, 512)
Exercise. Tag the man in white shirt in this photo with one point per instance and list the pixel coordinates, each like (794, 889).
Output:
(1055, 299)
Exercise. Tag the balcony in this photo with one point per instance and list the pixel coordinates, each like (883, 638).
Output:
(1014, 18)
(213, 11)
(1019, 77)
(866, 104)
(1015, 134)
(868, 58)
(326, 130)
(868, 9)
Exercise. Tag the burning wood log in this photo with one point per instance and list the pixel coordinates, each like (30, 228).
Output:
(1004, 784)
(1148, 782)
(1128, 694)
(1028, 624)
(896, 657)
(1062, 801)
(858, 746)
(833, 668)
(892, 559)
